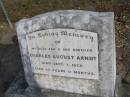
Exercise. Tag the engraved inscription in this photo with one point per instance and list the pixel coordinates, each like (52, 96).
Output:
(64, 52)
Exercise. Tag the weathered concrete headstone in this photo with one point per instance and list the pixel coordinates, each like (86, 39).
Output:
(70, 51)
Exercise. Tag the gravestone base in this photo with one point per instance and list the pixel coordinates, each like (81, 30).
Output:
(19, 88)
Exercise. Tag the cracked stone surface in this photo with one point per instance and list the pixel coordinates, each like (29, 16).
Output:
(100, 23)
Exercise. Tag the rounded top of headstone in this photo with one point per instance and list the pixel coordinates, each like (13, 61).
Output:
(76, 19)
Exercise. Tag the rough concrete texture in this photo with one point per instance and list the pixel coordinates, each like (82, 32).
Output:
(19, 88)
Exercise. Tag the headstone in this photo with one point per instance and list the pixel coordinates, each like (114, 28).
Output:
(72, 51)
